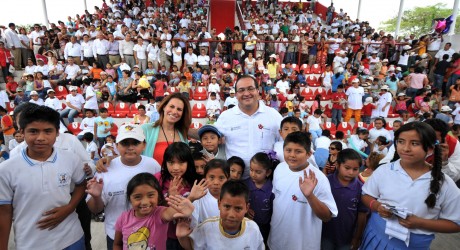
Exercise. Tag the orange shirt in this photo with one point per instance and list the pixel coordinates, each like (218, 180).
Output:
(96, 73)
(7, 121)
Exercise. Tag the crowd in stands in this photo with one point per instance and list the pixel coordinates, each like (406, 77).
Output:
(240, 139)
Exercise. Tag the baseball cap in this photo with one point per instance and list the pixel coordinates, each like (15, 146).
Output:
(72, 88)
(33, 92)
(49, 91)
(232, 91)
(130, 131)
(401, 94)
(209, 128)
(445, 109)
(384, 87)
(19, 89)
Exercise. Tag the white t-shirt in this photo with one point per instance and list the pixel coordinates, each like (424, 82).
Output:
(355, 97)
(92, 147)
(71, 71)
(53, 103)
(34, 187)
(214, 87)
(213, 106)
(205, 208)
(313, 122)
(87, 125)
(91, 103)
(39, 101)
(322, 142)
(76, 100)
(230, 100)
(282, 86)
(374, 133)
(114, 190)
(391, 185)
(456, 113)
(327, 78)
(140, 51)
(358, 143)
(292, 213)
(210, 235)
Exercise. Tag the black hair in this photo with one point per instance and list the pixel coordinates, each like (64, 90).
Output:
(396, 121)
(198, 155)
(236, 160)
(217, 164)
(88, 136)
(284, 110)
(21, 107)
(300, 138)
(382, 139)
(110, 136)
(266, 161)
(363, 131)
(338, 145)
(141, 107)
(291, 119)
(256, 85)
(235, 188)
(318, 112)
(3, 110)
(103, 110)
(428, 140)
(326, 133)
(440, 126)
(181, 152)
(91, 110)
(445, 57)
(339, 135)
(382, 120)
(144, 179)
(38, 113)
(347, 155)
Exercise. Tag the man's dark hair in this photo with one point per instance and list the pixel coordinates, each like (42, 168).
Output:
(39, 113)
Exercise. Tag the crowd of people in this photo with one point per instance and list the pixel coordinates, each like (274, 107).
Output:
(274, 159)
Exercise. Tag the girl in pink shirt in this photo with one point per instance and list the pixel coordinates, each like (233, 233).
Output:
(146, 223)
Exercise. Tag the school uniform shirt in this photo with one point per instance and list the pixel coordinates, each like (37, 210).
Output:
(456, 113)
(92, 147)
(213, 106)
(32, 188)
(292, 213)
(53, 103)
(313, 122)
(390, 184)
(71, 71)
(114, 190)
(355, 96)
(356, 142)
(210, 235)
(149, 231)
(214, 88)
(348, 199)
(261, 201)
(205, 208)
(91, 103)
(260, 130)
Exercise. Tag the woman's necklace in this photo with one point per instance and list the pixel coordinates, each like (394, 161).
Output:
(172, 134)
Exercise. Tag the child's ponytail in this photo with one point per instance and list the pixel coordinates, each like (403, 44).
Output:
(437, 177)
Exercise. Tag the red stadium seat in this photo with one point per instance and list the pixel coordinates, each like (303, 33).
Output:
(371, 126)
(305, 68)
(109, 106)
(79, 90)
(331, 127)
(172, 90)
(295, 67)
(200, 94)
(199, 111)
(74, 128)
(196, 125)
(10, 107)
(359, 124)
(121, 110)
(316, 69)
(133, 109)
(308, 94)
(114, 130)
(61, 92)
(392, 113)
(282, 67)
(328, 110)
(64, 106)
(227, 66)
(389, 126)
(324, 95)
(345, 127)
(312, 81)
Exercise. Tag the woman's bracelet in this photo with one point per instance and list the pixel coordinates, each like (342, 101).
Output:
(371, 203)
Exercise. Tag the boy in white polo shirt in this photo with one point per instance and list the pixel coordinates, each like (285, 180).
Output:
(35, 188)
(302, 201)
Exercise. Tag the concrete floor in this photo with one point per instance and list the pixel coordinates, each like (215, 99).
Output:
(442, 241)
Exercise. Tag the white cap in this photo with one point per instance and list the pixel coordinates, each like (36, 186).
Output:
(340, 70)
(341, 52)
(398, 68)
(272, 56)
(424, 55)
(136, 66)
(49, 91)
(272, 91)
(33, 92)
(291, 97)
(130, 131)
(71, 88)
(232, 91)
(407, 47)
(109, 144)
(368, 100)
(401, 94)
(445, 109)
(385, 60)
(370, 78)
(355, 80)
(384, 87)
(269, 82)
(265, 71)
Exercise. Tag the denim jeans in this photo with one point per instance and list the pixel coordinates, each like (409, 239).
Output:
(70, 113)
(78, 245)
(452, 79)
(109, 243)
(336, 116)
(438, 79)
(315, 133)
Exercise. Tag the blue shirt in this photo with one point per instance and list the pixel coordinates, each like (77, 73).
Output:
(261, 201)
(103, 124)
(301, 78)
(336, 81)
(340, 229)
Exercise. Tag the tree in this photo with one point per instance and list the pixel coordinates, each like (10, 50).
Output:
(419, 20)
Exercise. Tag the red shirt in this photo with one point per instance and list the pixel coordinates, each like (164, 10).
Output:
(336, 97)
(367, 109)
(12, 86)
(159, 88)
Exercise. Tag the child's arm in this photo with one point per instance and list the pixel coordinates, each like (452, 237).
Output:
(439, 225)
(94, 188)
(56, 215)
(118, 241)
(307, 185)
(95, 131)
(6, 219)
(183, 231)
(360, 225)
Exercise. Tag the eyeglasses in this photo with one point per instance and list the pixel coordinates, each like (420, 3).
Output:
(331, 148)
(129, 142)
(242, 90)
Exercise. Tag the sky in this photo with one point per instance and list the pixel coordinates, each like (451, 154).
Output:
(31, 11)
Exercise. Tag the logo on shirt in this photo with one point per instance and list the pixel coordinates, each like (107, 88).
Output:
(121, 192)
(235, 128)
(295, 199)
(353, 204)
(261, 126)
(63, 179)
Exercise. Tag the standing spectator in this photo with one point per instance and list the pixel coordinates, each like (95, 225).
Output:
(140, 54)
(355, 102)
(101, 50)
(417, 80)
(338, 100)
(73, 50)
(5, 60)
(7, 127)
(26, 52)
(14, 44)
(126, 47)
(87, 50)
(114, 50)
(36, 35)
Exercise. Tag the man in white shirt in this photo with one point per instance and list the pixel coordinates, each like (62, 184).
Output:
(203, 60)
(166, 36)
(42, 67)
(203, 37)
(87, 50)
(335, 43)
(35, 41)
(190, 58)
(446, 50)
(74, 102)
(52, 101)
(13, 44)
(70, 74)
(355, 101)
(126, 51)
(73, 50)
(80, 32)
(101, 50)
(340, 60)
(119, 34)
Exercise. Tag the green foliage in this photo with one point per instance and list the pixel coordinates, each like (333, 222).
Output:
(419, 19)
